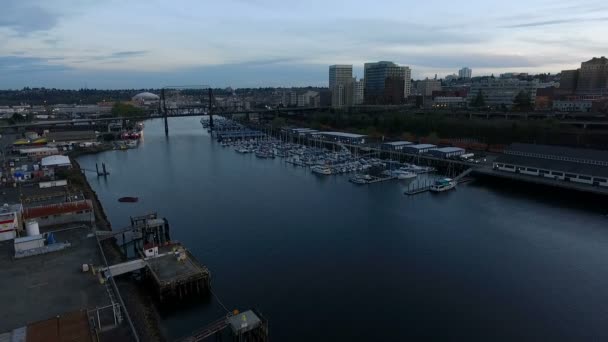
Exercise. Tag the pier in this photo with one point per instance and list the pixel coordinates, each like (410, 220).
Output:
(168, 266)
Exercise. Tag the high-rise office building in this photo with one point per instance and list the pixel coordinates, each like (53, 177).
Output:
(465, 73)
(341, 85)
(358, 91)
(384, 83)
(407, 78)
(593, 76)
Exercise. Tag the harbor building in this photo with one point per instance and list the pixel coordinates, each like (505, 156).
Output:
(447, 152)
(395, 145)
(418, 149)
(566, 164)
(39, 152)
(347, 138)
(61, 213)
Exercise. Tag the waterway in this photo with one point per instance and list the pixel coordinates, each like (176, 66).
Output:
(326, 260)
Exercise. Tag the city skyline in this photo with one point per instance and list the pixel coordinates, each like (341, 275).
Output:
(269, 43)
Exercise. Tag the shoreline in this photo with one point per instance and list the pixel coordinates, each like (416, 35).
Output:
(145, 316)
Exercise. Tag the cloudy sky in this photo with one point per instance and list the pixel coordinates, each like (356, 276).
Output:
(242, 43)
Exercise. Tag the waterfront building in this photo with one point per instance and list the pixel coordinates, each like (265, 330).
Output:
(384, 83)
(395, 145)
(465, 73)
(10, 221)
(566, 164)
(502, 92)
(348, 138)
(39, 152)
(447, 152)
(341, 85)
(418, 149)
(61, 213)
(427, 86)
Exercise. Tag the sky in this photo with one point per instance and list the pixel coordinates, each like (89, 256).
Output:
(256, 43)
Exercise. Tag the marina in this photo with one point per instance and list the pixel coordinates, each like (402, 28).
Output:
(368, 167)
(256, 223)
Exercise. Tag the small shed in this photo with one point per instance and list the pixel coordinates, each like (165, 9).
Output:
(29, 242)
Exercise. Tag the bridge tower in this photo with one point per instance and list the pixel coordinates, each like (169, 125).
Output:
(164, 102)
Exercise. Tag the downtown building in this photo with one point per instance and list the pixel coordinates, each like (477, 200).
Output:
(590, 78)
(385, 83)
(341, 84)
(465, 73)
(502, 92)
(427, 86)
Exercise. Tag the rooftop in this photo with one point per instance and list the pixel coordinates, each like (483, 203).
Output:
(398, 143)
(54, 209)
(556, 165)
(449, 149)
(344, 135)
(244, 322)
(559, 151)
(56, 160)
(38, 149)
(421, 146)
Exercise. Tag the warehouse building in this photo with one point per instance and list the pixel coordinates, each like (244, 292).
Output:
(447, 152)
(347, 138)
(38, 152)
(62, 213)
(395, 145)
(566, 164)
(418, 149)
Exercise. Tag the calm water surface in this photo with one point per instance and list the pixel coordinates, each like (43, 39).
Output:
(326, 260)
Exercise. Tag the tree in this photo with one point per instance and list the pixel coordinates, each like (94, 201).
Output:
(522, 102)
(479, 101)
(125, 110)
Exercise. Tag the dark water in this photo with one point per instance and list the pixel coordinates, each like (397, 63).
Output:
(324, 259)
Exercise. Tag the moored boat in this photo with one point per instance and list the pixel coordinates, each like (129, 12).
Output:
(128, 199)
(442, 185)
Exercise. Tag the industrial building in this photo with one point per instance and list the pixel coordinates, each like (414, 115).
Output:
(10, 221)
(61, 213)
(348, 138)
(566, 164)
(447, 152)
(39, 152)
(418, 149)
(55, 162)
(395, 145)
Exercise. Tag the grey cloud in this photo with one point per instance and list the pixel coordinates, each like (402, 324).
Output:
(112, 57)
(25, 17)
(555, 22)
(20, 64)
